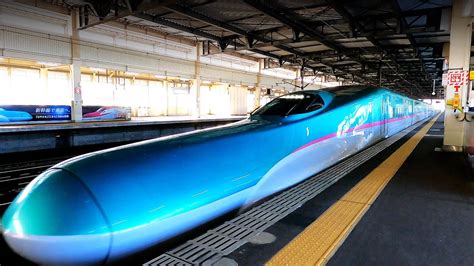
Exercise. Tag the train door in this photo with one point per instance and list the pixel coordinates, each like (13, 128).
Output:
(384, 116)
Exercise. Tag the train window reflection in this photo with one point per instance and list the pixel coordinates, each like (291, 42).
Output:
(291, 104)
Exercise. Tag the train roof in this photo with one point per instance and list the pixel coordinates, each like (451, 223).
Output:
(343, 94)
(350, 90)
(359, 90)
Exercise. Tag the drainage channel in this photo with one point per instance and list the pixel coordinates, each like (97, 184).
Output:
(226, 238)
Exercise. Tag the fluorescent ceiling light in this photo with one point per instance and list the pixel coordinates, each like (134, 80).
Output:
(95, 69)
(293, 96)
(48, 64)
(131, 73)
(160, 77)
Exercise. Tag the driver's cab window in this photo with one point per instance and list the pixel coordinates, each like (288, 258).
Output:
(316, 104)
(292, 104)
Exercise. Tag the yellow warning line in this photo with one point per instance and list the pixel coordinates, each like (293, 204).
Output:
(320, 240)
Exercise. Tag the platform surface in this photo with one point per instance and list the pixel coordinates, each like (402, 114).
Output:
(136, 121)
(425, 216)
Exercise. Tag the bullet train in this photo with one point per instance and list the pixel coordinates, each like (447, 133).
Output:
(104, 205)
(14, 116)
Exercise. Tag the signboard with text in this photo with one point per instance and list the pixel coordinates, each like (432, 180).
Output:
(31, 113)
(444, 80)
(457, 77)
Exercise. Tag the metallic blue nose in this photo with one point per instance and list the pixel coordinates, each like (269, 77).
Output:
(56, 220)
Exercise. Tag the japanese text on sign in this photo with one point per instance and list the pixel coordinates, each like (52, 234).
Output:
(457, 77)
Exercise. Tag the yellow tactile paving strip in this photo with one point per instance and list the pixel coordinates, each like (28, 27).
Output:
(320, 240)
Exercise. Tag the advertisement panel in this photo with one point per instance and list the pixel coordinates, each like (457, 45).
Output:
(34, 113)
(95, 113)
(31, 113)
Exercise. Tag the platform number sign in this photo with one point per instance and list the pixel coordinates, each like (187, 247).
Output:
(77, 90)
(457, 77)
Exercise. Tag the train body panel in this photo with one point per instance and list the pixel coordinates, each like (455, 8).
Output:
(153, 190)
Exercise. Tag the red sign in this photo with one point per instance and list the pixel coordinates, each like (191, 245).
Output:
(457, 77)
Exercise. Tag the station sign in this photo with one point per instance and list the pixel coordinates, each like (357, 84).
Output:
(457, 77)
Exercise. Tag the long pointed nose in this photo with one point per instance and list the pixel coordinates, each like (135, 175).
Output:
(56, 220)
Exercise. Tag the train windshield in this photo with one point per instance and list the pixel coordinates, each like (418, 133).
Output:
(291, 104)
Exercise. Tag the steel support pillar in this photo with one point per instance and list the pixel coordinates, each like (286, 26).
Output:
(75, 71)
(258, 88)
(458, 60)
(197, 78)
(44, 80)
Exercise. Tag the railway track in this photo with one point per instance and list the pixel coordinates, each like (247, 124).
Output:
(31, 163)
(14, 177)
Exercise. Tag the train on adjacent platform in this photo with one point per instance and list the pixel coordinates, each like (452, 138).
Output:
(104, 205)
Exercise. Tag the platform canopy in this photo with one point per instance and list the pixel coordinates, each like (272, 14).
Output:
(393, 43)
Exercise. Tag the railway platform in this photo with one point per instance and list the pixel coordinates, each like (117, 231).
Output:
(47, 136)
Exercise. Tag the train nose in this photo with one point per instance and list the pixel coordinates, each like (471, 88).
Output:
(56, 220)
